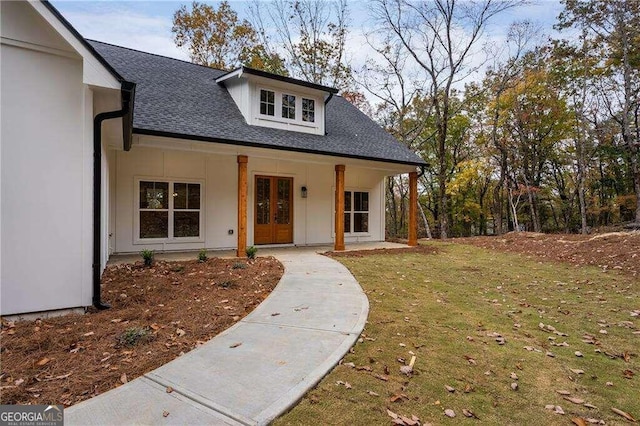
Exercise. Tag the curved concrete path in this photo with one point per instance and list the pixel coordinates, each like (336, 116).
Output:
(288, 343)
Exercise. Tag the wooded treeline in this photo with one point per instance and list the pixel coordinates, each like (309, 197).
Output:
(548, 139)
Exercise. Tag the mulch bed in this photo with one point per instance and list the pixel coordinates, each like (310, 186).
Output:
(614, 250)
(157, 314)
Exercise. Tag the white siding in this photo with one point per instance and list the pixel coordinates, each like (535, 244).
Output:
(313, 216)
(43, 176)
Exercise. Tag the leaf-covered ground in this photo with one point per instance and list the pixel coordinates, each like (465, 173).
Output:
(499, 336)
(157, 314)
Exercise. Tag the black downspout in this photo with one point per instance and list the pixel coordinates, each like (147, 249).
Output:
(325, 111)
(127, 93)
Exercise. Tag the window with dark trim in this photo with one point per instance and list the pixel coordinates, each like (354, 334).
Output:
(162, 216)
(356, 211)
(267, 102)
(288, 106)
(308, 110)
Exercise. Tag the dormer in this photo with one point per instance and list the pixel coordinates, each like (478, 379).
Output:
(271, 100)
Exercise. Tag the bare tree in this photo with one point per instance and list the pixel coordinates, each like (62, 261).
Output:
(440, 36)
(311, 34)
(386, 78)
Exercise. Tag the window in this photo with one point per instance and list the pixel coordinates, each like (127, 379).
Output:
(288, 106)
(356, 211)
(308, 110)
(267, 102)
(172, 217)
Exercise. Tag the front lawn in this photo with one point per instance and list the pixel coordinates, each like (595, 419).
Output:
(495, 335)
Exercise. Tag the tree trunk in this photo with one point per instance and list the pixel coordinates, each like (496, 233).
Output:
(426, 222)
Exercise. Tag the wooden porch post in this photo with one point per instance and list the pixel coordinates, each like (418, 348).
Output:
(413, 209)
(339, 241)
(242, 205)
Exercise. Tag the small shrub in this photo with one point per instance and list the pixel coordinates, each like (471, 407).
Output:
(202, 255)
(134, 335)
(251, 252)
(239, 265)
(147, 256)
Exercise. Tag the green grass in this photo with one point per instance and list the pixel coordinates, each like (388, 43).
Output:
(442, 307)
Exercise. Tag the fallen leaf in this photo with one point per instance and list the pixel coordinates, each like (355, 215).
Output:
(364, 368)
(593, 407)
(91, 333)
(449, 413)
(563, 392)
(235, 345)
(623, 414)
(155, 326)
(169, 389)
(513, 376)
(559, 410)
(381, 377)
(43, 361)
(514, 386)
(392, 414)
(449, 388)
(469, 413)
(123, 378)
(398, 397)
(165, 413)
(576, 371)
(579, 421)
(574, 400)
(180, 332)
(406, 369)
(18, 382)
(578, 354)
(372, 393)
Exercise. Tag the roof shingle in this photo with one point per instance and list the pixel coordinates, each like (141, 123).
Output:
(181, 99)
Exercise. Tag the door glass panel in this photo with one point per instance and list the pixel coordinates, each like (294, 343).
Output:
(284, 207)
(263, 200)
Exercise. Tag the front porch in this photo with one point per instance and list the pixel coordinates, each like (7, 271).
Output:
(177, 196)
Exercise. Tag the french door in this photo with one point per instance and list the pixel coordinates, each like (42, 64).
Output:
(273, 219)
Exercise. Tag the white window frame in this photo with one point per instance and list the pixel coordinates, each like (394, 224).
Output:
(353, 211)
(267, 103)
(302, 110)
(278, 108)
(170, 239)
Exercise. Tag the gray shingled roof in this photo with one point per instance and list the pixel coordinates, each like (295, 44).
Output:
(181, 99)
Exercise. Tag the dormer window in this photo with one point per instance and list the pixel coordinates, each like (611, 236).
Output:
(288, 106)
(308, 110)
(267, 102)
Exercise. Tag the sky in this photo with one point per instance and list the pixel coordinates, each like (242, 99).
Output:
(146, 25)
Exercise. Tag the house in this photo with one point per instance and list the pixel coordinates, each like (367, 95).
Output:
(108, 150)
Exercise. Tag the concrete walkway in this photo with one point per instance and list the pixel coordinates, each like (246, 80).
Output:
(287, 344)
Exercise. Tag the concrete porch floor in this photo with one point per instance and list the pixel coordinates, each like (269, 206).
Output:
(117, 259)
